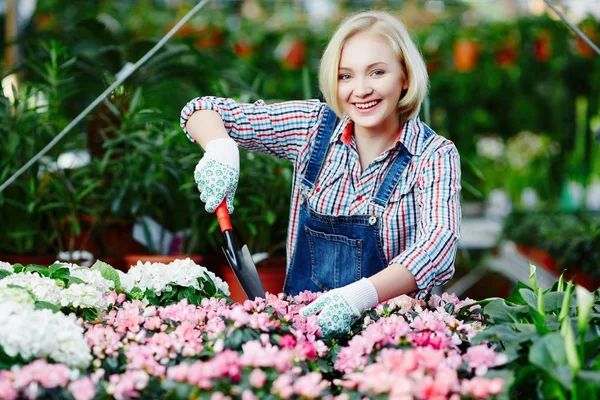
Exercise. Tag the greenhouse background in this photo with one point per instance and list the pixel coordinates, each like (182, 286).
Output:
(511, 85)
(113, 282)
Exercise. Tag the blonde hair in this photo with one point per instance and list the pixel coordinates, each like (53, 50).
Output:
(392, 29)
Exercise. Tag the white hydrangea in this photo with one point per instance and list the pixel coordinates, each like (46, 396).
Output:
(160, 277)
(6, 266)
(43, 288)
(16, 294)
(93, 278)
(52, 291)
(83, 296)
(56, 336)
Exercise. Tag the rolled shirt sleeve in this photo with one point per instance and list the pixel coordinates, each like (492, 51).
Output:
(279, 129)
(431, 257)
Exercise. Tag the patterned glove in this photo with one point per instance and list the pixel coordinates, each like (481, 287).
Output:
(339, 308)
(217, 173)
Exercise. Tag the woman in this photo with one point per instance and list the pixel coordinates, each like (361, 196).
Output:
(375, 209)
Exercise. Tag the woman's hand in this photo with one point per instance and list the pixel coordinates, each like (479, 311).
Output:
(217, 173)
(339, 308)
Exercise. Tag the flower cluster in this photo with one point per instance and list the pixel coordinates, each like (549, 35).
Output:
(404, 348)
(160, 278)
(28, 333)
(77, 295)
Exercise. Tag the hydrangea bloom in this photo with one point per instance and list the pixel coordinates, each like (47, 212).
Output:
(56, 336)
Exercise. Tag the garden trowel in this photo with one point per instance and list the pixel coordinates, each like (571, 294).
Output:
(240, 260)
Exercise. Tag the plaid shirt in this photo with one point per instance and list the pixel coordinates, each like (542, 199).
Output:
(420, 227)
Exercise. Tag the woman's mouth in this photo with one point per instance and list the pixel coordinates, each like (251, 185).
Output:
(366, 107)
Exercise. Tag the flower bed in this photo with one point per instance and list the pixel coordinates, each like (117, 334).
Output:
(170, 331)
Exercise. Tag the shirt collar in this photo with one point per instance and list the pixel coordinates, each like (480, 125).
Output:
(411, 134)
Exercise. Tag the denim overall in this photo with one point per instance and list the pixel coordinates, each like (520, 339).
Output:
(334, 251)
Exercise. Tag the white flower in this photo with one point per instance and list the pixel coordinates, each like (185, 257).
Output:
(6, 266)
(83, 296)
(490, 147)
(50, 290)
(44, 289)
(16, 294)
(93, 278)
(160, 277)
(56, 336)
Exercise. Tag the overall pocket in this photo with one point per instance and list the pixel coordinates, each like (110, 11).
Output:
(336, 260)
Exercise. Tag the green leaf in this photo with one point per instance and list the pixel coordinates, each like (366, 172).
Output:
(553, 301)
(507, 334)
(72, 279)
(40, 305)
(44, 271)
(529, 297)
(549, 355)
(108, 272)
(4, 273)
(589, 376)
(500, 312)
(515, 296)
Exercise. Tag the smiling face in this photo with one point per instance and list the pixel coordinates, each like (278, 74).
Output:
(370, 83)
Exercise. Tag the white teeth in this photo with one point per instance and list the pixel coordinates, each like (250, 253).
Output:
(364, 106)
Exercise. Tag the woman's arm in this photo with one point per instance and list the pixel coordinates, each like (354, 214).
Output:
(280, 129)
(206, 125)
(430, 260)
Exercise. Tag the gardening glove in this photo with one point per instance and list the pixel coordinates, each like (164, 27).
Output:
(339, 308)
(217, 173)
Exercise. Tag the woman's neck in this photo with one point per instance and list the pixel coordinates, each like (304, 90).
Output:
(371, 143)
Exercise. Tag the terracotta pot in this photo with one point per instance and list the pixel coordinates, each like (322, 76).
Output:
(583, 49)
(506, 56)
(542, 47)
(109, 238)
(209, 38)
(243, 49)
(296, 57)
(539, 257)
(26, 260)
(542, 259)
(271, 272)
(466, 54)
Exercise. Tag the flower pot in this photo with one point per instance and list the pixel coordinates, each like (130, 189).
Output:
(583, 49)
(466, 54)
(542, 47)
(539, 257)
(106, 238)
(271, 272)
(26, 259)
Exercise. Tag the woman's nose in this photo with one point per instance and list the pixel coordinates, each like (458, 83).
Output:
(362, 88)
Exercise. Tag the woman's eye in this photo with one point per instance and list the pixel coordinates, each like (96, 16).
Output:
(377, 72)
(343, 77)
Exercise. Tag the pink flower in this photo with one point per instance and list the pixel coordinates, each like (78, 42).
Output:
(480, 358)
(258, 378)
(247, 394)
(308, 350)
(482, 388)
(283, 387)
(83, 389)
(287, 341)
(7, 391)
(310, 386)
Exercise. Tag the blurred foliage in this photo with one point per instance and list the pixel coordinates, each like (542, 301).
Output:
(487, 78)
(571, 239)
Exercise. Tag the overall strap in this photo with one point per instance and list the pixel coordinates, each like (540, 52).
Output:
(321, 146)
(395, 172)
